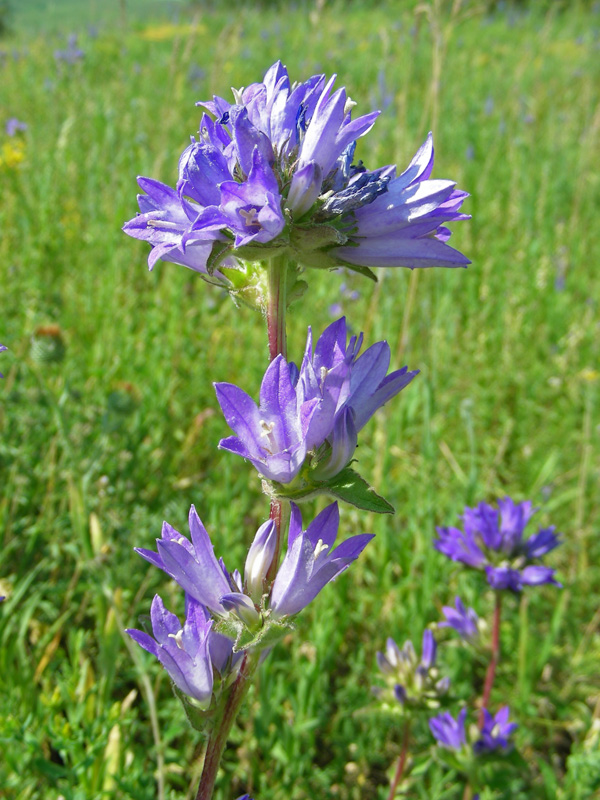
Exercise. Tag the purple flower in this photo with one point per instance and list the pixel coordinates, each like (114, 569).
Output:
(183, 651)
(310, 563)
(492, 540)
(72, 53)
(272, 173)
(313, 415)
(3, 347)
(464, 620)
(496, 732)
(410, 681)
(13, 125)
(449, 732)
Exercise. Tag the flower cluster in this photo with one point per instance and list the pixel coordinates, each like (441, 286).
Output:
(226, 614)
(492, 540)
(494, 734)
(305, 428)
(272, 173)
(413, 683)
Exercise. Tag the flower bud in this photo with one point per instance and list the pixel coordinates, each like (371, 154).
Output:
(259, 559)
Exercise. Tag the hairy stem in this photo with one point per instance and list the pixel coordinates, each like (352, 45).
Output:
(230, 705)
(495, 658)
(401, 761)
(276, 329)
(276, 306)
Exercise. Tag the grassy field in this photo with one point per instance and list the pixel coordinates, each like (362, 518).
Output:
(101, 442)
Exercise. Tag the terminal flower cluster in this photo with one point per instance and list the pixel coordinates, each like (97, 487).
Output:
(273, 173)
(311, 416)
(492, 540)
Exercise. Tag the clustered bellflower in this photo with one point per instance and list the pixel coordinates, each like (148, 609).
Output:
(272, 173)
(494, 735)
(310, 418)
(462, 619)
(413, 683)
(492, 540)
(235, 603)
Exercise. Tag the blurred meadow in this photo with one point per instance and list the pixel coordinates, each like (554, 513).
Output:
(109, 422)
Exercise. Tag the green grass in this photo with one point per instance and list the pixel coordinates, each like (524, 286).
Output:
(98, 449)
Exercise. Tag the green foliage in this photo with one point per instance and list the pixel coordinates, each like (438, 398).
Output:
(101, 445)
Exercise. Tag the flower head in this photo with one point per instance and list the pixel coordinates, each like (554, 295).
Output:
(411, 682)
(183, 651)
(273, 172)
(309, 565)
(464, 620)
(492, 540)
(311, 416)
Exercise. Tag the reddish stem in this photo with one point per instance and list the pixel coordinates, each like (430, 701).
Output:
(218, 737)
(401, 762)
(491, 670)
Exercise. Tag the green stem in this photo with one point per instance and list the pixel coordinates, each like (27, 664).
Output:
(230, 705)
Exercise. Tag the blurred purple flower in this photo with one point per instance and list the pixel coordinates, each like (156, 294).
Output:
(496, 732)
(183, 651)
(412, 682)
(72, 53)
(464, 620)
(3, 347)
(273, 172)
(492, 540)
(312, 415)
(449, 732)
(13, 125)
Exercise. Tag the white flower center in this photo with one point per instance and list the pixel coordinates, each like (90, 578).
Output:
(250, 217)
(320, 548)
(178, 638)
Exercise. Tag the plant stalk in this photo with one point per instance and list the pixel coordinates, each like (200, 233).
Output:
(401, 762)
(495, 658)
(219, 734)
(276, 328)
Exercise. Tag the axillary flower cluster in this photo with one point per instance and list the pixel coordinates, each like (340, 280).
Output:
(272, 174)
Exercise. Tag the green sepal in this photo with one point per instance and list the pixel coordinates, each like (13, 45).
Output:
(219, 251)
(348, 485)
(267, 636)
(199, 719)
(316, 237)
(229, 626)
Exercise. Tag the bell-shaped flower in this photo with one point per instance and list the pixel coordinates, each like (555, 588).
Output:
(183, 651)
(449, 732)
(312, 416)
(310, 563)
(495, 732)
(462, 619)
(493, 540)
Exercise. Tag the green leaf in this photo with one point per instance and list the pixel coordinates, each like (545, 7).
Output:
(348, 485)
